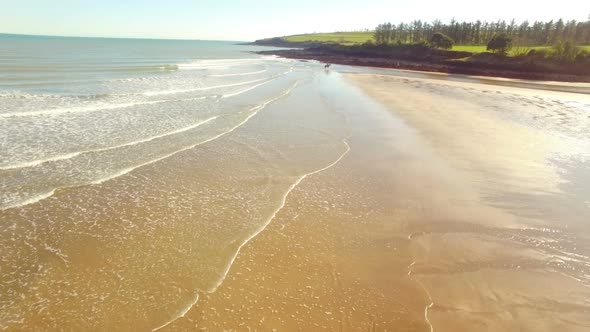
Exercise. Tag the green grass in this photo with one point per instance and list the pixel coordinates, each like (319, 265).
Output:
(469, 48)
(349, 38)
(482, 48)
(334, 37)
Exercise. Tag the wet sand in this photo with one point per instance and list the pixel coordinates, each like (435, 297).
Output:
(326, 201)
(445, 215)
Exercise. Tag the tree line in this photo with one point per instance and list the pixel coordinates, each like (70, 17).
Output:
(481, 32)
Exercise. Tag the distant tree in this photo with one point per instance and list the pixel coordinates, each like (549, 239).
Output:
(511, 28)
(524, 34)
(527, 34)
(548, 32)
(500, 43)
(557, 33)
(379, 34)
(440, 40)
(383, 33)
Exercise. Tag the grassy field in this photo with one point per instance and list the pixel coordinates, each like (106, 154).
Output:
(514, 51)
(348, 38)
(335, 37)
(469, 48)
(482, 48)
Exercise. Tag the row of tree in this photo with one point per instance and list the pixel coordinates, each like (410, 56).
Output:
(480, 33)
(500, 43)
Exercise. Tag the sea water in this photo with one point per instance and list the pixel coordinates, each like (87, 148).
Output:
(132, 171)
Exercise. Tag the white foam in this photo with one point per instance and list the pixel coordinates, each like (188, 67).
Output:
(75, 154)
(428, 306)
(254, 111)
(205, 88)
(233, 94)
(180, 315)
(115, 175)
(81, 109)
(217, 63)
(283, 202)
(28, 201)
(241, 74)
(23, 95)
(89, 108)
(40, 161)
(174, 132)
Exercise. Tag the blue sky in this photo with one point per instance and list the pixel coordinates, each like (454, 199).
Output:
(249, 20)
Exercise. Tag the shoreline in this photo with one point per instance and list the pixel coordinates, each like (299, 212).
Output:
(364, 246)
(324, 201)
(448, 67)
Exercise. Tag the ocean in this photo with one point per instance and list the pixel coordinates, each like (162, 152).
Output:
(68, 103)
(116, 190)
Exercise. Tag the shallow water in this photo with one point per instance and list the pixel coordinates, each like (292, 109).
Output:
(126, 195)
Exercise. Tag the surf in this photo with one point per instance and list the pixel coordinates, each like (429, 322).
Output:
(205, 88)
(76, 154)
(251, 112)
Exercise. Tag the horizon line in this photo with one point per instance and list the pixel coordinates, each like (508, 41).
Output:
(105, 37)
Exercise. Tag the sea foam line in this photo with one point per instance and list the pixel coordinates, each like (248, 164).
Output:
(241, 74)
(282, 205)
(82, 109)
(254, 111)
(205, 88)
(429, 306)
(227, 95)
(75, 154)
(31, 200)
(217, 63)
(283, 202)
(85, 109)
(180, 315)
(187, 309)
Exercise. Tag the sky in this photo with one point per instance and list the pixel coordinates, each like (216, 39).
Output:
(249, 20)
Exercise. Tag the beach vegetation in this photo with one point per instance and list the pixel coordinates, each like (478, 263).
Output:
(500, 44)
(346, 38)
(567, 51)
(467, 36)
(528, 49)
(440, 40)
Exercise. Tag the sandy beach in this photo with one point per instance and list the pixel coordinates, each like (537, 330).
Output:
(436, 220)
(265, 194)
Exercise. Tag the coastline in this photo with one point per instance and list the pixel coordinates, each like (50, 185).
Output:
(431, 66)
(315, 200)
(418, 246)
